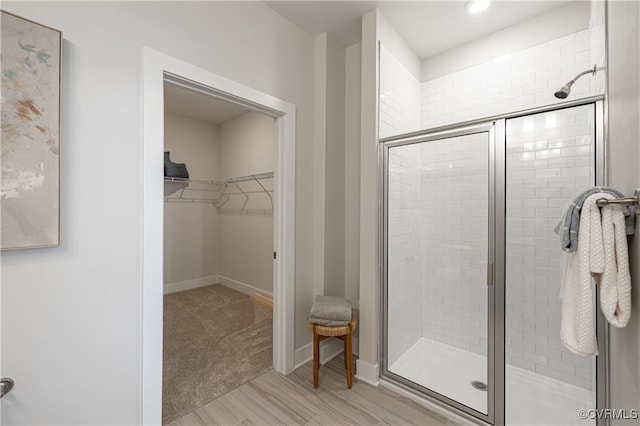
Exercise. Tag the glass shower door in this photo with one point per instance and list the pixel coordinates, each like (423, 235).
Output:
(438, 223)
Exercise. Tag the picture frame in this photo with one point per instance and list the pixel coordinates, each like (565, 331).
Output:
(30, 139)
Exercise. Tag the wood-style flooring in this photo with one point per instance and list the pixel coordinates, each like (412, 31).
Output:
(274, 399)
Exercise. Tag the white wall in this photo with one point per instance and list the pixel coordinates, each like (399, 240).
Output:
(329, 172)
(568, 19)
(246, 145)
(190, 229)
(246, 237)
(624, 153)
(367, 364)
(352, 173)
(71, 315)
(319, 153)
(334, 247)
(203, 244)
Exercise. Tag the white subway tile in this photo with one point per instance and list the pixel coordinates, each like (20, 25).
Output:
(527, 365)
(576, 172)
(533, 267)
(549, 372)
(577, 381)
(562, 366)
(535, 359)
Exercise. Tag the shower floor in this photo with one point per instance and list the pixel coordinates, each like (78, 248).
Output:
(531, 399)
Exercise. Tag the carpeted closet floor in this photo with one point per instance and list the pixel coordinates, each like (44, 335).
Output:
(215, 339)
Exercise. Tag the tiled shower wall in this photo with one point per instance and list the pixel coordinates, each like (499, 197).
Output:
(550, 159)
(522, 80)
(454, 228)
(514, 82)
(400, 97)
(404, 260)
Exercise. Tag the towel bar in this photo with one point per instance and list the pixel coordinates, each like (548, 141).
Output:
(626, 201)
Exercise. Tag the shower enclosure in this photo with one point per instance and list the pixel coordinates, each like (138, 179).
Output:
(472, 266)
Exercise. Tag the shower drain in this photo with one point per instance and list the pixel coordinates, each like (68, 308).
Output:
(477, 384)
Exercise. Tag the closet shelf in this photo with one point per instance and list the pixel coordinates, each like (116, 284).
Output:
(219, 193)
(268, 175)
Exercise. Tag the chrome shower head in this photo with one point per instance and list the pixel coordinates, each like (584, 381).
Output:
(564, 91)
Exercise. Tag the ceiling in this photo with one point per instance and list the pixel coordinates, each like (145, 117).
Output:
(198, 106)
(416, 21)
(428, 27)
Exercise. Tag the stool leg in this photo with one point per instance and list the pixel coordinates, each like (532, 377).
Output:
(348, 359)
(316, 358)
(344, 340)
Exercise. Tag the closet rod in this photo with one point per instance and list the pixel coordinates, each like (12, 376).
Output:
(190, 200)
(247, 192)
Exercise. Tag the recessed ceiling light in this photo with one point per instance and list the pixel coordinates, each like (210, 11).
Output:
(476, 6)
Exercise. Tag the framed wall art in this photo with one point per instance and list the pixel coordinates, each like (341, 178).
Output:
(30, 143)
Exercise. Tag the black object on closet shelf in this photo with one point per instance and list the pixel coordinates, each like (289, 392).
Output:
(176, 170)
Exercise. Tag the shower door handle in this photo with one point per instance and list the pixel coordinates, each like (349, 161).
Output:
(489, 273)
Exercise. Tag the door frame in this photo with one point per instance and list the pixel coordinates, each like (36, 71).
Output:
(158, 68)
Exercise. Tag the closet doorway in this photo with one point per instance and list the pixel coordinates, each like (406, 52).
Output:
(159, 69)
(218, 248)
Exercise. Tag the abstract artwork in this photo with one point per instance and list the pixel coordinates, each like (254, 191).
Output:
(30, 143)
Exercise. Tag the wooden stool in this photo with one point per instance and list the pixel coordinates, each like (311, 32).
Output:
(344, 333)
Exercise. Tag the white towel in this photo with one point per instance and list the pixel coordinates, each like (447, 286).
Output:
(615, 281)
(578, 327)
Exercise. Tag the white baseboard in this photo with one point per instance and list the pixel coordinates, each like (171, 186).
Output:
(367, 373)
(303, 355)
(335, 347)
(329, 349)
(190, 284)
(242, 287)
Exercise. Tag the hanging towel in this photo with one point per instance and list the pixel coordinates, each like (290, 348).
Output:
(615, 281)
(569, 225)
(578, 326)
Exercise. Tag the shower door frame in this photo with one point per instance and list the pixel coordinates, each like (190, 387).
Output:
(495, 131)
(496, 126)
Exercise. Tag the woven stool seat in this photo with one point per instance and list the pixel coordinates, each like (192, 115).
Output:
(329, 331)
(342, 332)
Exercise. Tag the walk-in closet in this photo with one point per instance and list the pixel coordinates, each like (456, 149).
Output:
(218, 248)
